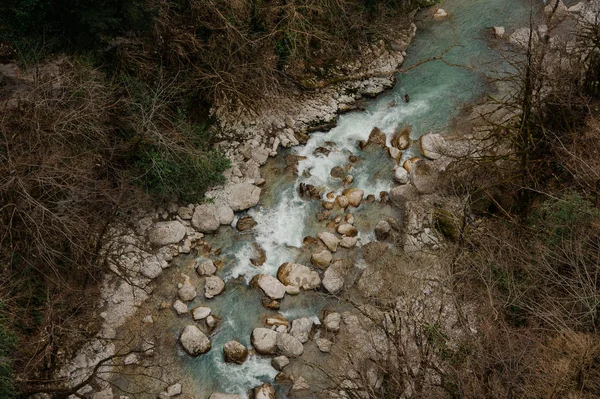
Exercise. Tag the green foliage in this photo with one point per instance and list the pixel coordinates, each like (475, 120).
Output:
(7, 345)
(183, 176)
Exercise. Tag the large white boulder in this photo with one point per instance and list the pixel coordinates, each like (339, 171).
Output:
(272, 287)
(225, 214)
(330, 240)
(165, 233)
(433, 145)
(194, 341)
(322, 258)
(332, 321)
(265, 391)
(333, 278)
(244, 196)
(264, 341)
(205, 218)
(206, 267)
(298, 275)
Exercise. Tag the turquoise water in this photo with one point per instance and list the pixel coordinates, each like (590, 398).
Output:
(437, 92)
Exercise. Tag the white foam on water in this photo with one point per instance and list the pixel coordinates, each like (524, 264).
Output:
(238, 378)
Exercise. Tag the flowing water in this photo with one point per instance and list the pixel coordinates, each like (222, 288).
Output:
(437, 94)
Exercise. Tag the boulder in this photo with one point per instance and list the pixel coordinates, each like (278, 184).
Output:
(201, 312)
(205, 218)
(244, 196)
(394, 153)
(272, 287)
(260, 155)
(211, 321)
(245, 223)
(324, 345)
(185, 212)
(165, 233)
(264, 341)
(376, 137)
(301, 328)
(292, 289)
(433, 145)
(187, 292)
(277, 320)
(409, 163)
(348, 242)
(332, 322)
(206, 267)
(225, 214)
(330, 240)
(333, 278)
(342, 201)
(354, 196)
(382, 230)
(401, 175)
(280, 362)
(347, 230)
(289, 345)
(265, 391)
(194, 341)
(213, 286)
(337, 172)
(321, 259)
(424, 177)
(401, 138)
(577, 8)
(180, 307)
(173, 390)
(401, 194)
(235, 352)
(298, 275)
(299, 386)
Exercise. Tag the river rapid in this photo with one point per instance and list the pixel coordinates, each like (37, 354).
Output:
(438, 93)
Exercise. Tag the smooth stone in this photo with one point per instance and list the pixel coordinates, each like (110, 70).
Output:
(301, 328)
(225, 214)
(433, 145)
(211, 321)
(272, 287)
(348, 242)
(401, 138)
(165, 233)
(213, 286)
(424, 177)
(235, 352)
(300, 385)
(324, 345)
(499, 31)
(401, 175)
(185, 212)
(298, 275)
(180, 307)
(289, 345)
(333, 278)
(173, 390)
(440, 13)
(245, 223)
(194, 341)
(292, 289)
(201, 312)
(347, 230)
(265, 391)
(332, 322)
(280, 362)
(264, 341)
(206, 268)
(342, 201)
(321, 259)
(187, 292)
(330, 240)
(244, 196)
(205, 218)
(399, 195)
(354, 196)
(277, 320)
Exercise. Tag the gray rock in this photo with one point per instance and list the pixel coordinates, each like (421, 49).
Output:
(205, 218)
(265, 391)
(348, 242)
(322, 258)
(298, 275)
(211, 321)
(330, 240)
(382, 230)
(347, 230)
(301, 328)
(324, 345)
(185, 212)
(280, 362)
(201, 312)
(332, 321)
(180, 307)
(424, 177)
(260, 155)
(289, 345)
(206, 268)
(165, 233)
(272, 287)
(499, 31)
(173, 390)
(300, 385)
(401, 194)
(225, 214)
(244, 196)
(333, 278)
(235, 352)
(187, 292)
(194, 341)
(354, 196)
(401, 175)
(213, 286)
(433, 145)
(264, 341)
